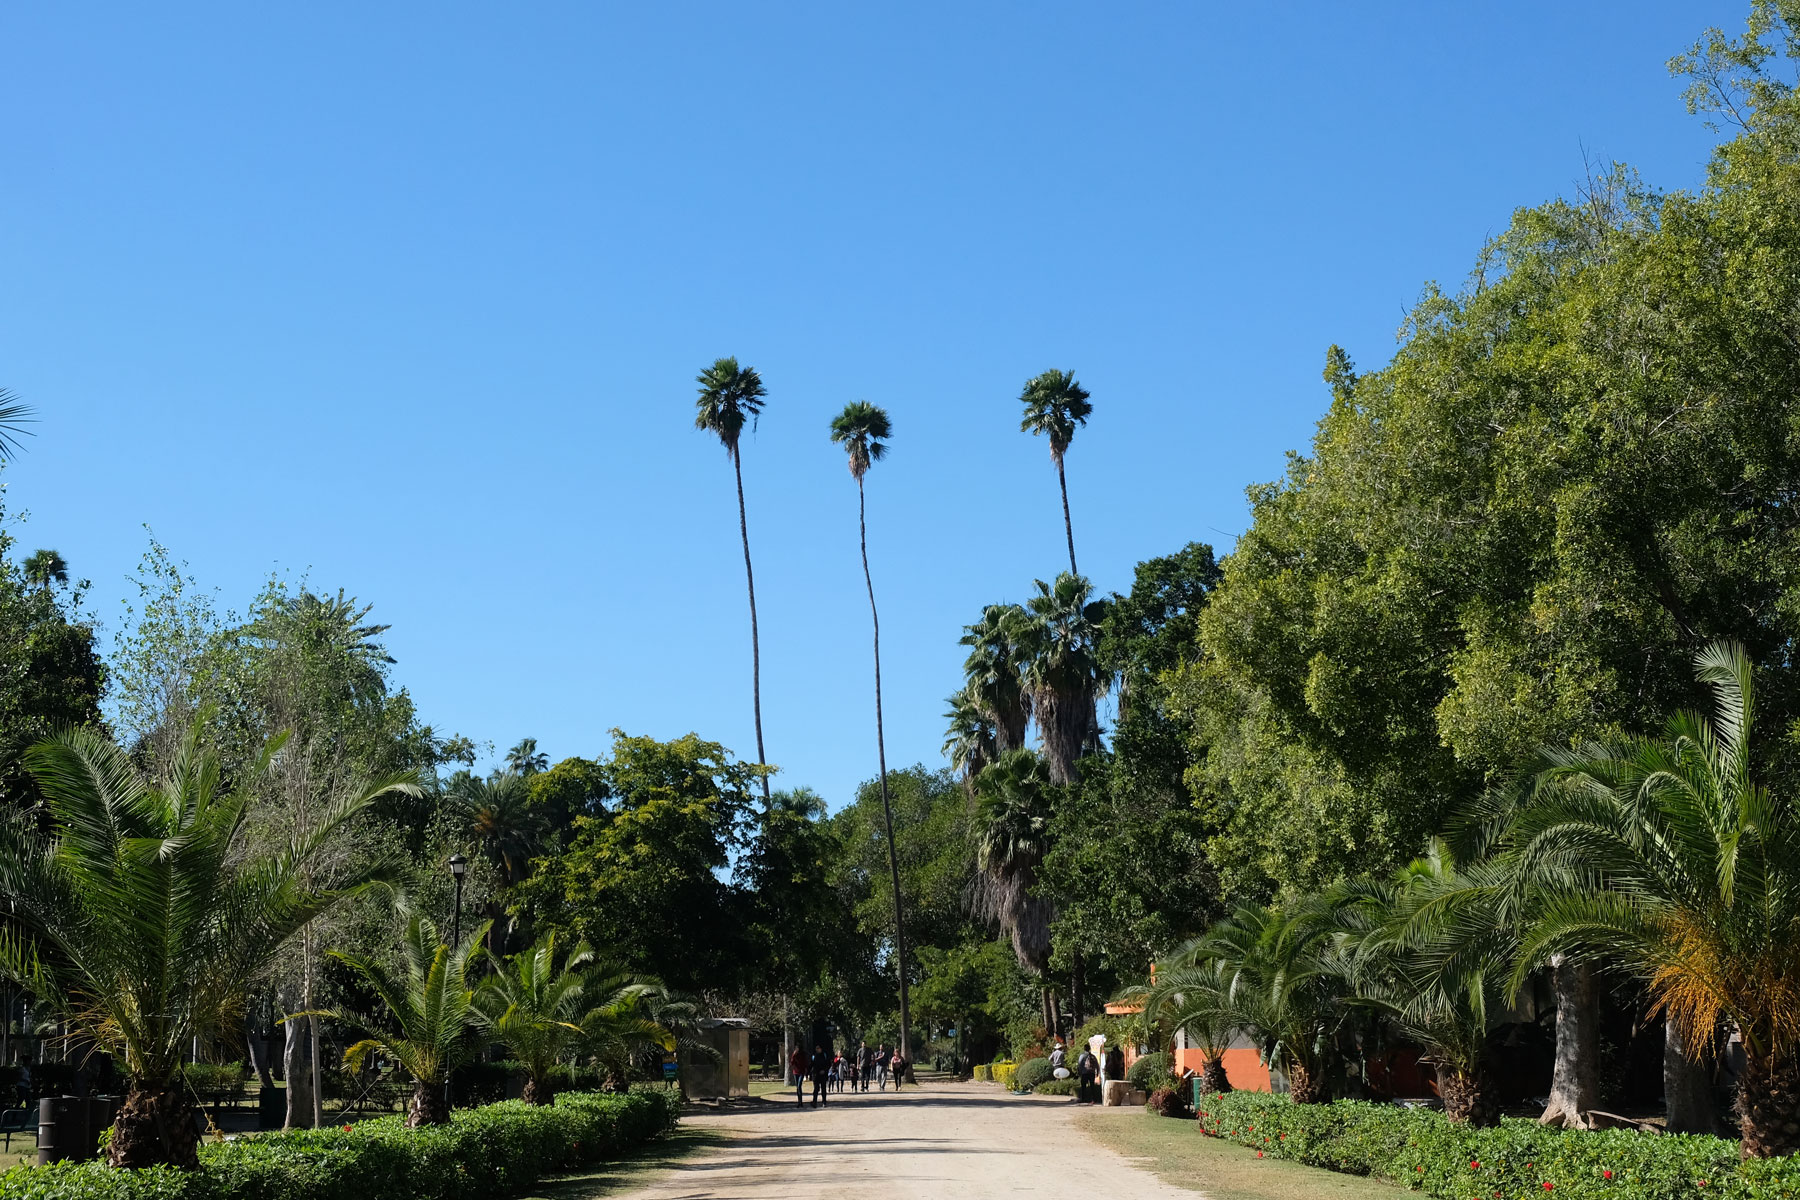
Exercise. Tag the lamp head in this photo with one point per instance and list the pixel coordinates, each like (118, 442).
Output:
(459, 866)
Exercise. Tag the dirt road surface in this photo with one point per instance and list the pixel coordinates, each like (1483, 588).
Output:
(940, 1141)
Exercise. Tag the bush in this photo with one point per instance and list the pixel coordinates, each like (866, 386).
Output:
(1057, 1087)
(1031, 1072)
(1003, 1074)
(1425, 1152)
(1148, 1073)
(216, 1079)
(495, 1151)
(1168, 1102)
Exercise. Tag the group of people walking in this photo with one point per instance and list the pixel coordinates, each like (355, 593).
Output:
(854, 1071)
(1087, 1071)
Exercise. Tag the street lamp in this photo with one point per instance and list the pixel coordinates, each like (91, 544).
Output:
(459, 866)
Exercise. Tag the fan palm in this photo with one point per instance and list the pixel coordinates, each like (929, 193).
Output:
(863, 430)
(1693, 871)
(1063, 669)
(992, 671)
(46, 567)
(142, 914)
(1054, 405)
(1012, 835)
(969, 743)
(730, 396)
(430, 1011)
(14, 416)
(542, 1003)
(525, 760)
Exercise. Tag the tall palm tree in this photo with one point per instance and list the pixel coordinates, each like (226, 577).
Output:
(731, 395)
(992, 672)
(1693, 873)
(1012, 836)
(430, 1012)
(14, 416)
(498, 814)
(863, 430)
(543, 1002)
(1054, 405)
(1064, 671)
(525, 760)
(969, 742)
(143, 911)
(45, 568)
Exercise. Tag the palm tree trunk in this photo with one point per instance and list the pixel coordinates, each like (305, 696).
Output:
(887, 809)
(755, 646)
(1212, 1075)
(1687, 1087)
(430, 1105)
(1769, 1107)
(1575, 1081)
(1068, 526)
(1304, 1085)
(1466, 1098)
(155, 1127)
(538, 1092)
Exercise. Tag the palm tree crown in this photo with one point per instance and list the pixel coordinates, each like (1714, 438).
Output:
(730, 396)
(143, 912)
(1063, 669)
(862, 429)
(993, 671)
(1054, 405)
(46, 567)
(525, 760)
(14, 416)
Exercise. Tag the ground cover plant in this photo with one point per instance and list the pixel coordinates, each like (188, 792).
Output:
(1421, 1150)
(495, 1151)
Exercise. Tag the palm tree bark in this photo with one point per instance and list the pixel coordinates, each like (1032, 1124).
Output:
(887, 808)
(1687, 1087)
(430, 1104)
(1068, 525)
(1305, 1086)
(1575, 1081)
(1212, 1075)
(1467, 1099)
(1769, 1107)
(538, 1092)
(155, 1127)
(737, 467)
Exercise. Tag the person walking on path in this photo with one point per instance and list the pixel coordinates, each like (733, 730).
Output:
(797, 1073)
(882, 1054)
(865, 1064)
(821, 1073)
(1087, 1069)
(898, 1069)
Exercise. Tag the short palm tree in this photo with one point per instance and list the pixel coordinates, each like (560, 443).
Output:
(430, 1013)
(969, 742)
(863, 430)
(730, 397)
(1193, 998)
(1064, 671)
(1427, 949)
(141, 913)
(1054, 405)
(542, 1002)
(993, 671)
(1693, 869)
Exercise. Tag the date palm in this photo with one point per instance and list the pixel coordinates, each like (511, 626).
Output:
(544, 1001)
(1692, 868)
(863, 430)
(430, 1012)
(992, 671)
(730, 397)
(141, 912)
(1054, 405)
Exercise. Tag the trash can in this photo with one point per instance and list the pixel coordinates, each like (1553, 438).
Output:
(63, 1130)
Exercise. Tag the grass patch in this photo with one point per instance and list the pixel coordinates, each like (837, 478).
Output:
(631, 1171)
(1178, 1153)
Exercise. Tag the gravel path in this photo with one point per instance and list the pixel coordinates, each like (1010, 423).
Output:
(940, 1141)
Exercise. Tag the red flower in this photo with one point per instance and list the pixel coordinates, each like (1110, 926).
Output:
(1548, 1186)
(346, 1129)
(1606, 1174)
(1474, 1166)
(1284, 1137)
(1259, 1154)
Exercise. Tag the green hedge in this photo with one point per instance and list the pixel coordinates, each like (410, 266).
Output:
(1421, 1150)
(1032, 1072)
(1149, 1072)
(499, 1150)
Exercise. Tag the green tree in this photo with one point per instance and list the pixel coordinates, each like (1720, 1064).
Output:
(970, 742)
(45, 569)
(994, 672)
(1063, 670)
(1054, 405)
(144, 913)
(525, 760)
(863, 429)
(730, 397)
(1692, 873)
(429, 1014)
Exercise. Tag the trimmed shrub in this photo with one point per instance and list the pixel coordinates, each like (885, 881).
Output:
(499, 1150)
(1148, 1073)
(1421, 1150)
(1057, 1087)
(1031, 1072)
(1003, 1074)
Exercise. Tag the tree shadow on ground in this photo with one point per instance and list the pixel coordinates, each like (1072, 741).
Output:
(630, 1171)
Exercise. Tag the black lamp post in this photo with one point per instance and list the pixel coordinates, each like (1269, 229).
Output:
(459, 866)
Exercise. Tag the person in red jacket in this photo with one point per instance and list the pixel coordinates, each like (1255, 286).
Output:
(797, 1064)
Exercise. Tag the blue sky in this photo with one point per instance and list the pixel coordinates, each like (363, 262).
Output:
(408, 299)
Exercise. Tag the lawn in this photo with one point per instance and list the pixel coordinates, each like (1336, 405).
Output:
(1178, 1153)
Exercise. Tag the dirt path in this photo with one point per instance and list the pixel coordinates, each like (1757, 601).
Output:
(941, 1141)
